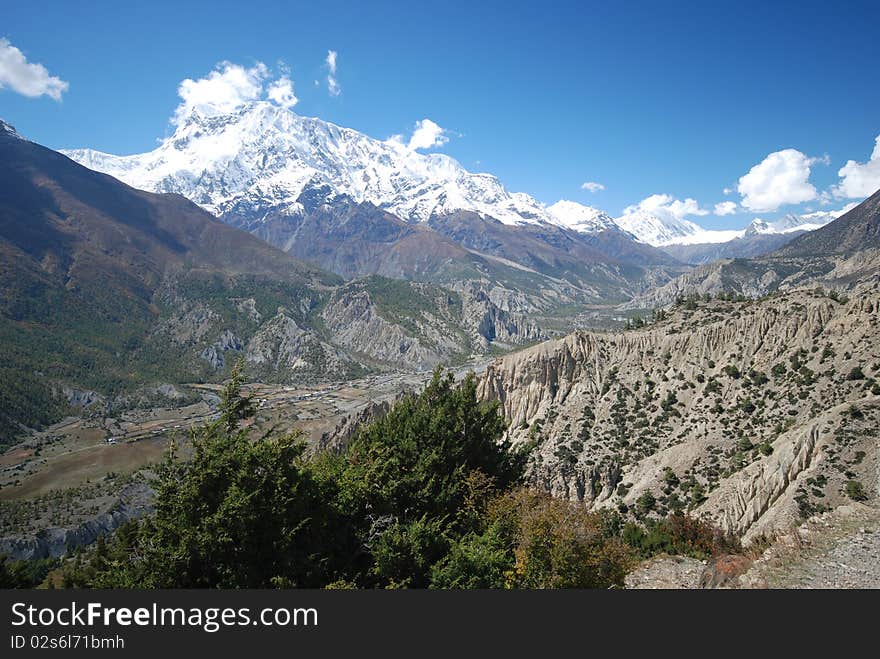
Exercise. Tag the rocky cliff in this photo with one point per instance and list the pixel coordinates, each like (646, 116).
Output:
(416, 326)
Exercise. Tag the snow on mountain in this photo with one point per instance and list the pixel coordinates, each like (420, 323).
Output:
(9, 129)
(580, 218)
(262, 157)
(792, 222)
(655, 230)
(708, 236)
(665, 231)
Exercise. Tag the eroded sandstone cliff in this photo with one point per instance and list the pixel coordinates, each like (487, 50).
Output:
(753, 413)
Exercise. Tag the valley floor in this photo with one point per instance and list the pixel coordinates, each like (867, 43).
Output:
(98, 469)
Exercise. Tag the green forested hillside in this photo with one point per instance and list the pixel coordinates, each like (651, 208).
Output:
(85, 267)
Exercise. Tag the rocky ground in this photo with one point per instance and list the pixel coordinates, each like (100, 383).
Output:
(666, 573)
(838, 549)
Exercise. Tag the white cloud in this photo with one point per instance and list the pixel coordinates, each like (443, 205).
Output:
(427, 135)
(783, 177)
(332, 83)
(667, 206)
(727, 191)
(281, 92)
(223, 90)
(860, 179)
(230, 86)
(725, 208)
(592, 186)
(26, 78)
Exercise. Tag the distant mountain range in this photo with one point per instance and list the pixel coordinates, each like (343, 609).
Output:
(358, 206)
(669, 231)
(290, 179)
(839, 255)
(372, 257)
(263, 158)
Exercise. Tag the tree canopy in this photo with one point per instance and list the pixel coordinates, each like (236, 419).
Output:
(429, 495)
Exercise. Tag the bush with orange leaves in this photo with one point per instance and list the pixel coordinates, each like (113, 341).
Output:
(559, 544)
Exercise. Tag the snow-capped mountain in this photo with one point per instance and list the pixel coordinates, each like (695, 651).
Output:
(655, 230)
(6, 128)
(580, 218)
(668, 230)
(791, 222)
(263, 157)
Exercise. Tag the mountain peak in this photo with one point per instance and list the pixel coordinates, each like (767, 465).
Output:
(792, 222)
(9, 130)
(656, 230)
(581, 218)
(261, 158)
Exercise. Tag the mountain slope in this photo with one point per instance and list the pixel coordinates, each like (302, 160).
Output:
(752, 413)
(90, 269)
(104, 289)
(655, 230)
(668, 231)
(580, 218)
(747, 246)
(856, 230)
(358, 239)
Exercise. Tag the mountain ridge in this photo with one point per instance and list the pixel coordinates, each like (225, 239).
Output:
(838, 255)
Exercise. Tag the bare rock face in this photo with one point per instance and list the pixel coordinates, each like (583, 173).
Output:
(214, 354)
(82, 398)
(488, 322)
(337, 439)
(759, 499)
(355, 324)
(764, 275)
(754, 413)
(281, 344)
(249, 306)
(416, 326)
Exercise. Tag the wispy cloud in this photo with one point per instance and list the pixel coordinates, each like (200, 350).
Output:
(592, 186)
(725, 208)
(332, 83)
(27, 78)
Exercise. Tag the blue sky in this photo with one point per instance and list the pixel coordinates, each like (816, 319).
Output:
(680, 99)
